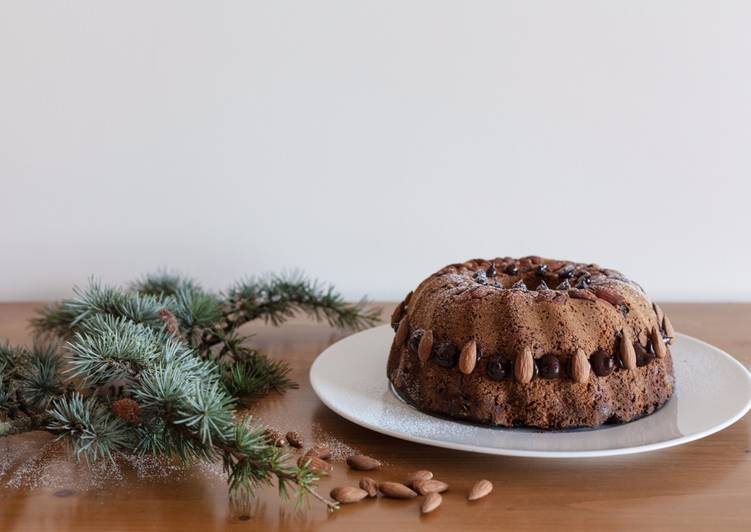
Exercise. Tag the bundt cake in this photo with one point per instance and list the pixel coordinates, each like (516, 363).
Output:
(531, 342)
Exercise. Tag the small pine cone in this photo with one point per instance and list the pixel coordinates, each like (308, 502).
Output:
(127, 409)
(170, 322)
(295, 439)
(275, 437)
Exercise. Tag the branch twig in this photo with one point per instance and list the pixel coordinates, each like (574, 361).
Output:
(22, 424)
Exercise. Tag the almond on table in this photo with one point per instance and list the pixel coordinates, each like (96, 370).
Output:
(480, 490)
(360, 462)
(431, 502)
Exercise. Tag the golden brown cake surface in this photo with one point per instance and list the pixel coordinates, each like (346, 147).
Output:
(531, 342)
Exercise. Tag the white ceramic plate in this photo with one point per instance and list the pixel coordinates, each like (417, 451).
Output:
(713, 391)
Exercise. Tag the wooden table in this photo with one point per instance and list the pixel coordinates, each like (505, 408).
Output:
(699, 486)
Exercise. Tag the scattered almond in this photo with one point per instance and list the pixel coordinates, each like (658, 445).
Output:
(422, 474)
(431, 502)
(319, 450)
(396, 490)
(580, 367)
(423, 487)
(348, 494)
(294, 439)
(468, 358)
(524, 366)
(369, 485)
(480, 490)
(658, 343)
(628, 354)
(425, 346)
(315, 464)
(402, 332)
(360, 462)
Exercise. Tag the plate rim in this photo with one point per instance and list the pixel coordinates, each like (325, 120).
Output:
(525, 453)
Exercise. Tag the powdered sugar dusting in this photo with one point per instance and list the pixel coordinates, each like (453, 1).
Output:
(339, 449)
(52, 466)
(31, 462)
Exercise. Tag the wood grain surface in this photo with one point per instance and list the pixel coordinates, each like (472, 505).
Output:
(699, 486)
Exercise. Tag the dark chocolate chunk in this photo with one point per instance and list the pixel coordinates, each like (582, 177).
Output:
(542, 287)
(519, 285)
(643, 355)
(541, 269)
(511, 269)
(583, 281)
(548, 366)
(491, 270)
(602, 363)
(480, 277)
(566, 271)
(565, 285)
(446, 354)
(498, 369)
(414, 340)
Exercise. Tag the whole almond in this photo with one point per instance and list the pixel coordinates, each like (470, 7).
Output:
(480, 291)
(369, 485)
(628, 354)
(580, 367)
(348, 494)
(524, 367)
(581, 293)
(396, 490)
(422, 474)
(480, 490)
(315, 464)
(402, 332)
(468, 357)
(545, 295)
(609, 295)
(669, 331)
(294, 439)
(360, 462)
(423, 487)
(397, 315)
(425, 346)
(431, 502)
(658, 343)
(320, 451)
(658, 312)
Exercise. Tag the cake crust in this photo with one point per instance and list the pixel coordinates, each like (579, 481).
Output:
(531, 342)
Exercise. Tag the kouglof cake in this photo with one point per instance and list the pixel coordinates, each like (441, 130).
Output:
(531, 342)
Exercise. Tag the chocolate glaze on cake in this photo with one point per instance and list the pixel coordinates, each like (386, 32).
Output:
(491, 341)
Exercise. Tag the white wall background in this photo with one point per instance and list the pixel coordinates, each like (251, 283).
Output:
(372, 142)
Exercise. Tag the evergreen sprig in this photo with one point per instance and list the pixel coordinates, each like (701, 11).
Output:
(276, 298)
(92, 428)
(65, 317)
(159, 368)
